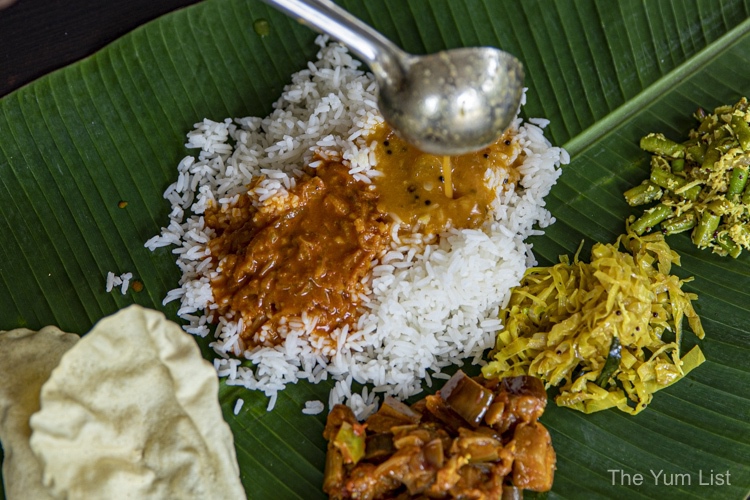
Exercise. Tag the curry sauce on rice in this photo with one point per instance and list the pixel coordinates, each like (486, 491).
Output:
(416, 189)
(314, 243)
(311, 249)
(305, 252)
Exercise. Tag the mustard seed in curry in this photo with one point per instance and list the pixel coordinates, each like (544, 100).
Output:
(413, 185)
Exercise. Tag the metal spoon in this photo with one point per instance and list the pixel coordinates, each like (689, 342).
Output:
(447, 103)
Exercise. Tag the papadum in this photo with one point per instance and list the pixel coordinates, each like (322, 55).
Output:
(26, 361)
(132, 412)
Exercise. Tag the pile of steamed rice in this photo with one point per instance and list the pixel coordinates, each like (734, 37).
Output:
(429, 306)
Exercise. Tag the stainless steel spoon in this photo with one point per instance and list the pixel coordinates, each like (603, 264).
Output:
(447, 103)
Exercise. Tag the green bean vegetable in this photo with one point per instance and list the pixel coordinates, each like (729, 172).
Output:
(701, 184)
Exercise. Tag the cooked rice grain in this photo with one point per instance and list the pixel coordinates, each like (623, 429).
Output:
(313, 407)
(123, 281)
(238, 406)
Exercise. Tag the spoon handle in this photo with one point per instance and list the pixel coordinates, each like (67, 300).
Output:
(383, 57)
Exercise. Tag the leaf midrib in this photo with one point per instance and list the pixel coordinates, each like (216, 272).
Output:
(593, 134)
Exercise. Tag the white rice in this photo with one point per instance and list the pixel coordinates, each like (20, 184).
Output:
(431, 304)
(313, 407)
(238, 406)
(123, 281)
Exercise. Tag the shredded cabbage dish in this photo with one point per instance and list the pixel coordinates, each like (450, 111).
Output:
(608, 333)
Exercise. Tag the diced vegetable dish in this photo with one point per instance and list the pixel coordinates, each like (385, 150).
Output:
(475, 438)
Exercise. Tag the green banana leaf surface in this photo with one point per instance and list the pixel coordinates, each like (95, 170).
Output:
(112, 128)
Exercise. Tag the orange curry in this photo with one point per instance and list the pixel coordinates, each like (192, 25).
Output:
(309, 255)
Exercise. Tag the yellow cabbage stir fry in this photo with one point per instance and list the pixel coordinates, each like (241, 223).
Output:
(701, 184)
(607, 332)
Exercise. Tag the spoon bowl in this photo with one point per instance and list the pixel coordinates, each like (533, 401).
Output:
(447, 103)
(455, 101)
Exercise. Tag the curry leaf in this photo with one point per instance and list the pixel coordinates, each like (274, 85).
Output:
(111, 128)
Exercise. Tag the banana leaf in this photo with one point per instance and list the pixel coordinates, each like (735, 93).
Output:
(111, 128)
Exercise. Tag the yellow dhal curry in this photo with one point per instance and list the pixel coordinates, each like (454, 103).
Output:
(417, 187)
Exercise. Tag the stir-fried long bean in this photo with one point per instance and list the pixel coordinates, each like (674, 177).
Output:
(701, 184)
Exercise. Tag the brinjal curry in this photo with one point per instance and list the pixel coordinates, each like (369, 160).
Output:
(475, 439)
